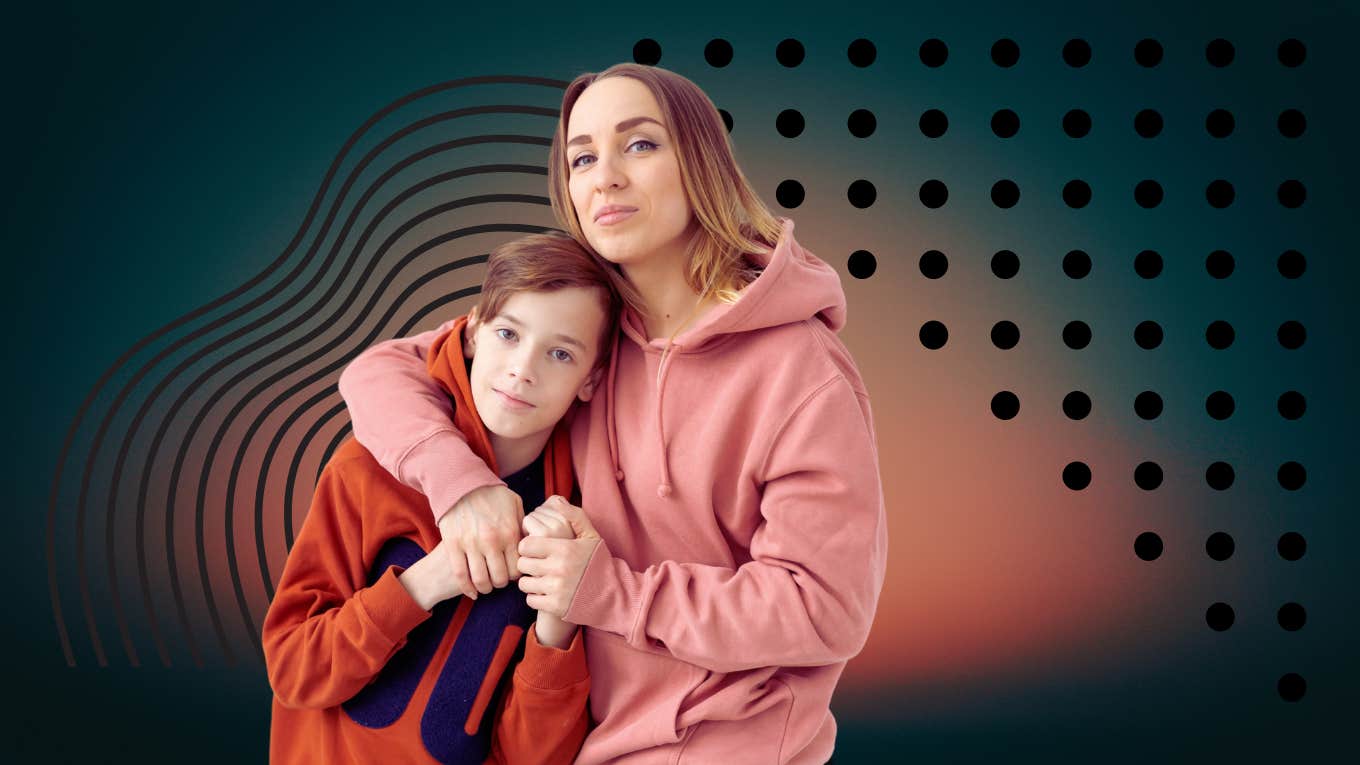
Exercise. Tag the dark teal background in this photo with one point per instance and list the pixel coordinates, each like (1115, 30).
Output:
(160, 155)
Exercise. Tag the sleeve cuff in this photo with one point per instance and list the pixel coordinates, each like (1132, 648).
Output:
(445, 470)
(608, 596)
(390, 607)
(551, 669)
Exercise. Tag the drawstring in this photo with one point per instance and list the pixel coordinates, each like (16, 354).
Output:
(609, 409)
(663, 490)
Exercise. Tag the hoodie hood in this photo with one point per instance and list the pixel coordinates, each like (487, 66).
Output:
(794, 285)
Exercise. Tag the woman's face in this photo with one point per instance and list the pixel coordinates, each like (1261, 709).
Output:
(624, 175)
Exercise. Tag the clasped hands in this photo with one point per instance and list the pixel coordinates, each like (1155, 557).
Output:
(486, 549)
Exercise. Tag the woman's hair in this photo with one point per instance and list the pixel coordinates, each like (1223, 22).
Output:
(545, 263)
(732, 220)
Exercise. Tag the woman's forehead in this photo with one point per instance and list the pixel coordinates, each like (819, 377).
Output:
(607, 102)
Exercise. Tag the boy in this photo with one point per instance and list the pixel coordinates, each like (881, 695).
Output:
(371, 653)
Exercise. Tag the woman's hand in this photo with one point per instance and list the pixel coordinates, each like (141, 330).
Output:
(551, 566)
(481, 534)
(549, 523)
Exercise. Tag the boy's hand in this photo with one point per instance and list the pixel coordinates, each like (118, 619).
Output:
(481, 534)
(552, 567)
(428, 580)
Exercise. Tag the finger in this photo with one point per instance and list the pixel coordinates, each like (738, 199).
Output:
(531, 585)
(535, 547)
(534, 526)
(495, 566)
(462, 581)
(481, 579)
(531, 567)
(536, 602)
(512, 563)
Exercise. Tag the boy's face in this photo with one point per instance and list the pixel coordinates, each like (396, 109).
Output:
(532, 360)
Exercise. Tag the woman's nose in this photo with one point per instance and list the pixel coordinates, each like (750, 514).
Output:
(609, 174)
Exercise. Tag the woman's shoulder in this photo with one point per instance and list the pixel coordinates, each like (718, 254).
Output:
(807, 353)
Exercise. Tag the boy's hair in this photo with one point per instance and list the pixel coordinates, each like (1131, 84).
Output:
(545, 263)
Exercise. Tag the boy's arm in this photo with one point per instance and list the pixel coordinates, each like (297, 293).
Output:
(327, 634)
(543, 717)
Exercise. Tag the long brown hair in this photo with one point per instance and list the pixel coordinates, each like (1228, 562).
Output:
(733, 221)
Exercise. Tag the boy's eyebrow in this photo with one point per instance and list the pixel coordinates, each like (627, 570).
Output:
(619, 128)
(564, 339)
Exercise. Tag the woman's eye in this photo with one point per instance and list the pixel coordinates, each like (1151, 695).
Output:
(561, 355)
(577, 162)
(505, 334)
(642, 141)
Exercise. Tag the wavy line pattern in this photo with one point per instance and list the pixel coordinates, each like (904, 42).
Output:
(223, 418)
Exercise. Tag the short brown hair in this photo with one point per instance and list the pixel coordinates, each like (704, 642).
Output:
(545, 263)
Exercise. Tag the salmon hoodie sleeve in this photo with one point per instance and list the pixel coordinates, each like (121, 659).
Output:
(411, 432)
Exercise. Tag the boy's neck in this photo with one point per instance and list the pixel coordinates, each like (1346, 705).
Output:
(515, 454)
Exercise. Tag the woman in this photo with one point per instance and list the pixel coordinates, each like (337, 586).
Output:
(728, 462)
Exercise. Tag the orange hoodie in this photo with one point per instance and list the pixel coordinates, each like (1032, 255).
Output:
(362, 674)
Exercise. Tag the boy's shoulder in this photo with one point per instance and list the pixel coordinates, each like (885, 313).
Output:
(363, 477)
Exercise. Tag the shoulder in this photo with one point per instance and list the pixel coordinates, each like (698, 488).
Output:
(356, 473)
(802, 356)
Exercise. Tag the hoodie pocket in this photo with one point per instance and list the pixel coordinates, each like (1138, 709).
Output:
(636, 695)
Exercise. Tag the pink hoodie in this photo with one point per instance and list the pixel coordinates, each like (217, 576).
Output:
(736, 486)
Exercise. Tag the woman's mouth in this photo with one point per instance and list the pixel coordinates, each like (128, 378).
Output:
(611, 217)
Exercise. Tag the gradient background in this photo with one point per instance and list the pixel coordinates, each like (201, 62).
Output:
(210, 211)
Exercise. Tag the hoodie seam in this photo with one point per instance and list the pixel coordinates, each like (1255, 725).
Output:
(401, 460)
(779, 432)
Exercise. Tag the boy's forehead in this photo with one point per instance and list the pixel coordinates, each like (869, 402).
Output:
(574, 311)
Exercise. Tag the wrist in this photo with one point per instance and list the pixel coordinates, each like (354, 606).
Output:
(553, 632)
(420, 585)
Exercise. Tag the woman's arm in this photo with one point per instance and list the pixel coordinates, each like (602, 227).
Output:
(808, 595)
(327, 634)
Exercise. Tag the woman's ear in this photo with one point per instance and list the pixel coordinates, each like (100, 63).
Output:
(587, 390)
(470, 334)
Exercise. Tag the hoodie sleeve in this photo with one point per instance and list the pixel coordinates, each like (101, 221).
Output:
(327, 634)
(402, 416)
(807, 596)
(543, 717)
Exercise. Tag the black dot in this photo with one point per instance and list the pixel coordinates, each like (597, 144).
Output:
(1292, 687)
(1148, 546)
(1005, 194)
(1219, 335)
(1148, 53)
(1219, 476)
(1005, 123)
(1148, 123)
(1148, 405)
(862, 194)
(862, 52)
(1220, 123)
(1292, 616)
(934, 194)
(1291, 476)
(1292, 52)
(789, 52)
(1076, 123)
(1147, 476)
(718, 52)
(1219, 194)
(934, 53)
(934, 335)
(726, 118)
(789, 193)
(1076, 476)
(1077, 194)
(1292, 264)
(1005, 335)
(1219, 616)
(1291, 405)
(1148, 335)
(933, 123)
(1148, 194)
(647, 52)
(1291, 335)
(790, 123)
(1148, 264)
(1005, 405)
(1005, 264)
(1219, 52)
(1076, 405)
(1219, 546)
(862, 264)
(1219, 264)
(862, 123)
(1219, 405)
(1077, 53)
(1005, 52)
(934, 264)
(1292, 194)
(1291, 546)
(1291, 123)
(1076, 335)
(1076, 264)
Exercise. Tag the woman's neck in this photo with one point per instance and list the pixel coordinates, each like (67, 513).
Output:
(671, 302)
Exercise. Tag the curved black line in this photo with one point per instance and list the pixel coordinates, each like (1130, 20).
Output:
(50, 541)
(291, 485)
(345, 430)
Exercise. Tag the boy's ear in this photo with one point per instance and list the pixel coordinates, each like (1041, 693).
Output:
(470, 334)
(588, 387)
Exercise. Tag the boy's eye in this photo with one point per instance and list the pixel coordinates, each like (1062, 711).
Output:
(561, 355)
(505, 334)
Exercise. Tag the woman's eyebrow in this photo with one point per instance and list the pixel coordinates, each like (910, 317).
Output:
(619, 128)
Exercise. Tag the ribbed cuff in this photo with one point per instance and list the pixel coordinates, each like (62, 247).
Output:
(445, 470)
(608, 596)
(552, 669)
(389, 606)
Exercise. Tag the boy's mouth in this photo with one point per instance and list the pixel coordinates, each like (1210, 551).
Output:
(510, 401)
